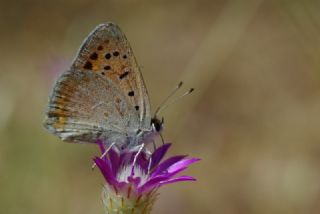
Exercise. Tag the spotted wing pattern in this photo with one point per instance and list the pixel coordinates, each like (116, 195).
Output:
(103, 94)
(107, 52)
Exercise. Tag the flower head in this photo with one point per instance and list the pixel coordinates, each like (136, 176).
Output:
(133, 177)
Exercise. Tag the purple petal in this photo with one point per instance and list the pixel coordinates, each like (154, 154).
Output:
(182, 164)
(121, 184)
(173, 173)
(136, 181)
(155, 181)
(143, 162)
(125, 158)
(157, 155)
(179, 167)
(178, 179)
(101, 145)
(106, 171)
(167, 163)
(114, 158)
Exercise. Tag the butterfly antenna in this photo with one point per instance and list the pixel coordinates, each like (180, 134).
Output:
(168, 97)
(174, 101)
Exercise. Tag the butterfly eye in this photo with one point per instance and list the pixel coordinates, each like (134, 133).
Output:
(156, 124)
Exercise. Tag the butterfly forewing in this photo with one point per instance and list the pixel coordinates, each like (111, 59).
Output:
(103, 94)
(107, 52)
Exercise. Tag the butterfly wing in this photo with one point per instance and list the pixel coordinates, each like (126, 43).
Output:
(84, 106)
(107, 51)
(103, 94)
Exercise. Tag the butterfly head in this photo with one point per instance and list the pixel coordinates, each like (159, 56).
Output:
(156, 124)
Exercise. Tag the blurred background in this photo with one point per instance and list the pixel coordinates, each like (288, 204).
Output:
(253, 119)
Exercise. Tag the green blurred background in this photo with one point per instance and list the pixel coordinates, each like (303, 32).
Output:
(254, 118)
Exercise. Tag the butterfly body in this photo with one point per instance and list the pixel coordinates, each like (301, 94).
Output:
(102, 95)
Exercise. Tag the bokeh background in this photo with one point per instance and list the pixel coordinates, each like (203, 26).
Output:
(254, 117)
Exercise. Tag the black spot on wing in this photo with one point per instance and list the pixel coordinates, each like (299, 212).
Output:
(131, 93)
(107, 67)
(94, 56)
(107, 56)
(88, 65)
(123, 75)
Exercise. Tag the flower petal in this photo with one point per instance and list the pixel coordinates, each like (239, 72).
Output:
(142, 161)
(125, 158)
(173, 173)
(167, 163)
(135, 180)
(101, 145)
(179, 167)
(152, 183)
(158, 154)
(106, 171)
(114, 158)
(115, 164)
(182, 164)
(178, 179)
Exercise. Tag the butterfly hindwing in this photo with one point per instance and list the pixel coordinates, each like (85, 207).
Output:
(83, 106)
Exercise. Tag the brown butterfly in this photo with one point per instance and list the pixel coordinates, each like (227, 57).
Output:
(102, 95)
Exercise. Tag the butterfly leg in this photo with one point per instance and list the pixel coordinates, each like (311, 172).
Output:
(149, 165)
(162, 138)
(104, 154)
(136, 156)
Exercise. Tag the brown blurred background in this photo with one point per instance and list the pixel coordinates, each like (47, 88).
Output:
(254, 118)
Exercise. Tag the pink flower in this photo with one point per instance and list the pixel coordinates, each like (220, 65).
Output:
(133, 178)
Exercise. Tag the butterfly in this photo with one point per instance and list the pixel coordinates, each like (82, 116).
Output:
(103, 95)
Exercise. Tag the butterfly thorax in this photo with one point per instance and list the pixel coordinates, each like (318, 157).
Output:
(130, 140)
